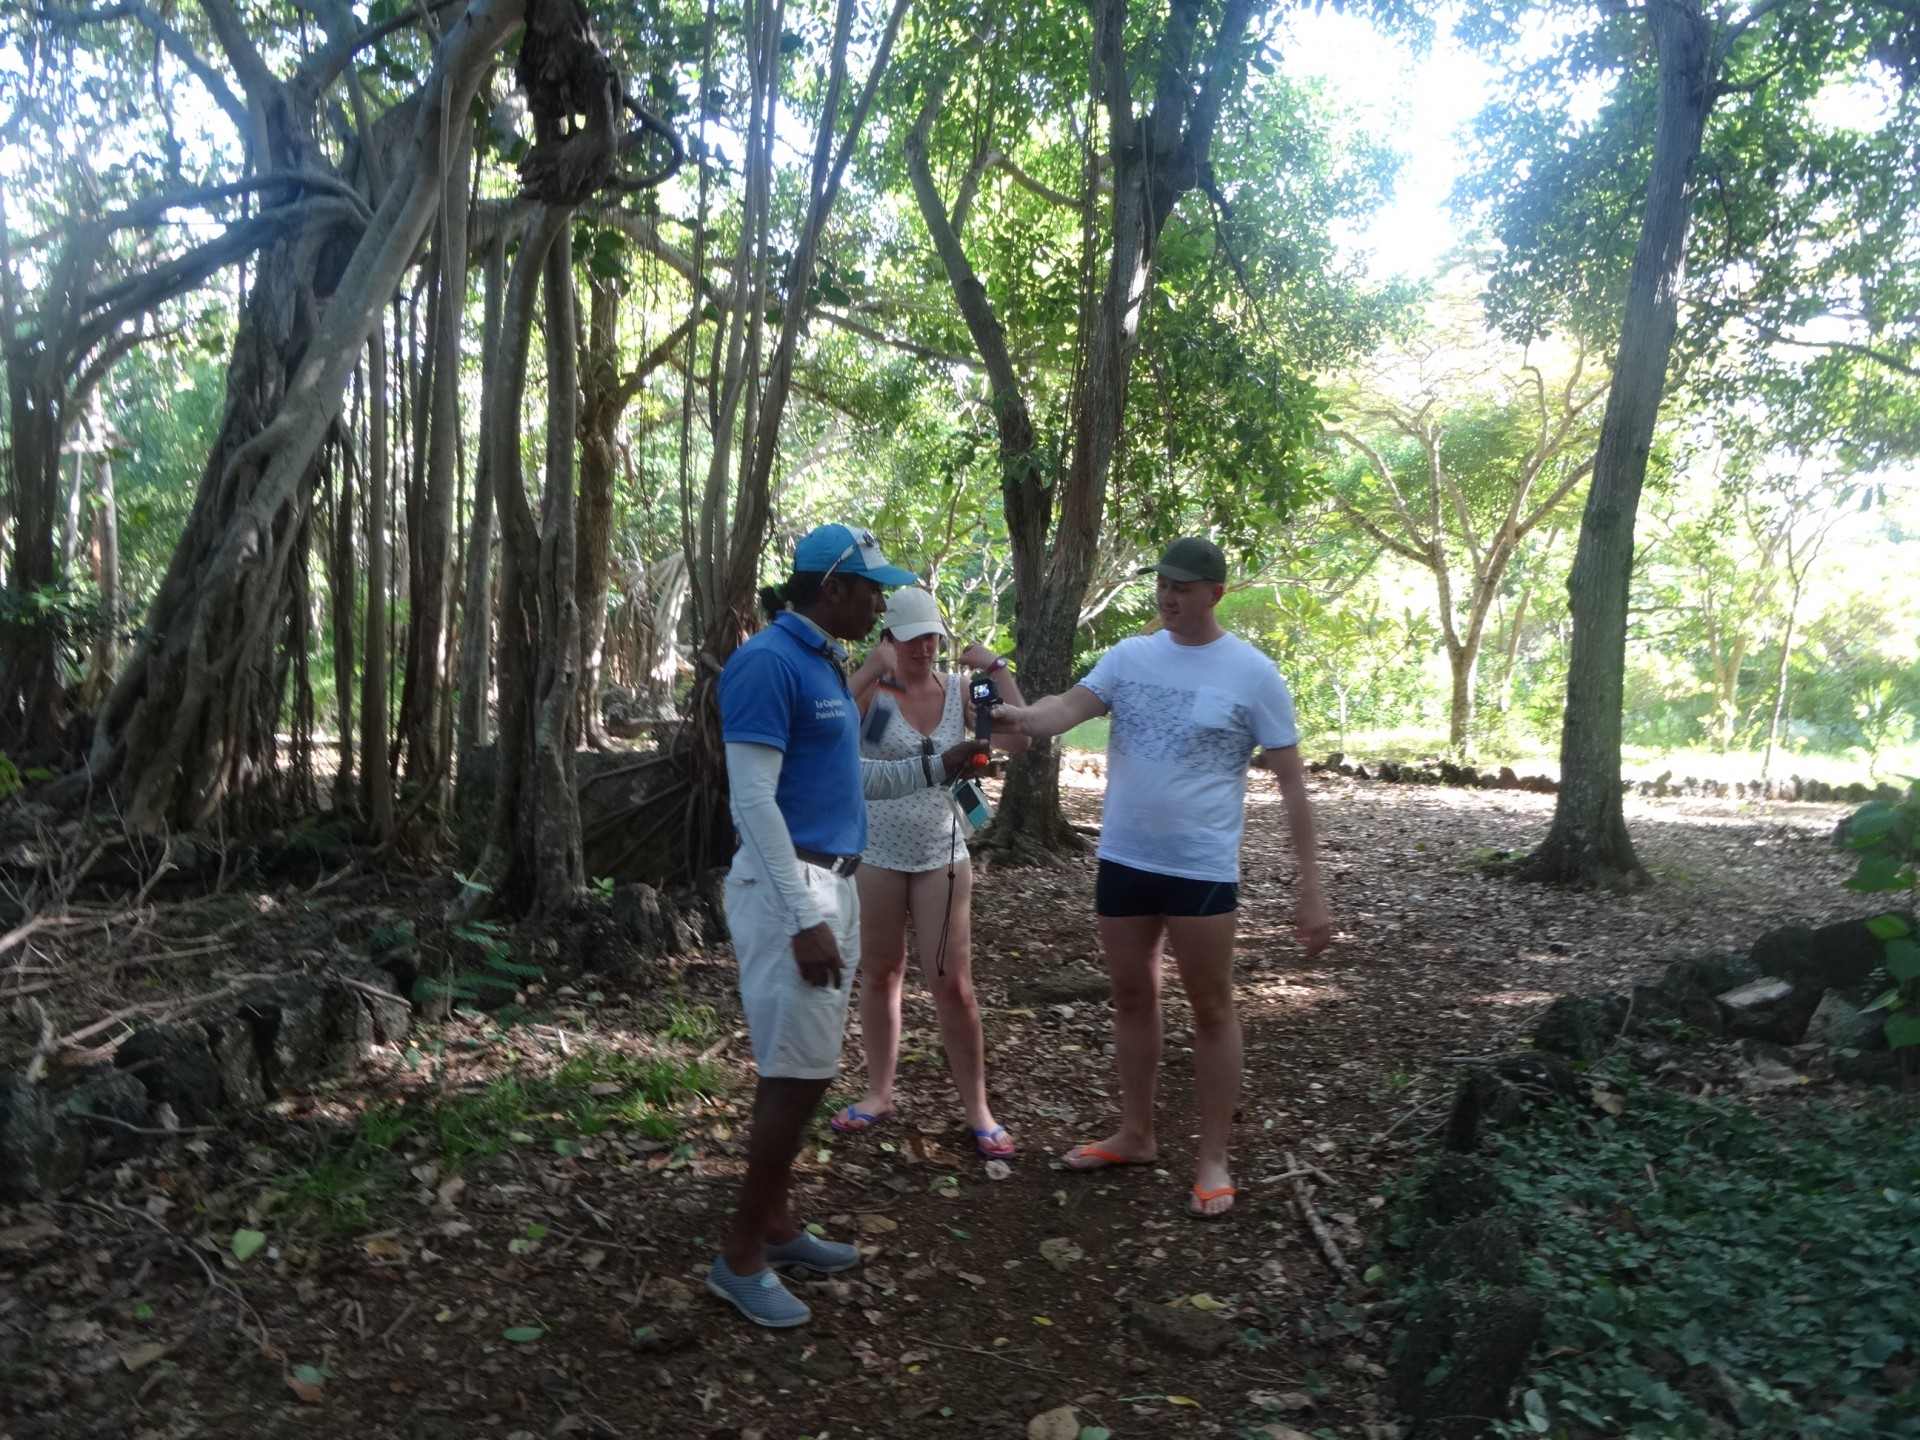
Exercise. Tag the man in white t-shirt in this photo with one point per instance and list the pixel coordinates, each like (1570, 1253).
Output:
(1190, 703)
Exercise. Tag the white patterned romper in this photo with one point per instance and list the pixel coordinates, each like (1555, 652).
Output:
(919, 831)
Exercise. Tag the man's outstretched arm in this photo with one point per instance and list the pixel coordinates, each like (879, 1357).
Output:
(1054, 715)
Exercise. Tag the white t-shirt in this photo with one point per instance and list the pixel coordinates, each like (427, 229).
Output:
(1186, 719)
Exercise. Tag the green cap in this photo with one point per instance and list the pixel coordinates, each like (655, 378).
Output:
(1192, 557)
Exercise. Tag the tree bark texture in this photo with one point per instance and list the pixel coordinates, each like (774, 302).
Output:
(601, 404)
(426, 689)
(377, 768)
(508, 865)
(476, 626)
(1588, 843)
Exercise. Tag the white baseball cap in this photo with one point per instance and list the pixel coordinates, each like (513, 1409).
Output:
(911, 613)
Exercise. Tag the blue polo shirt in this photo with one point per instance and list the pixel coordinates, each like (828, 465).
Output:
(784, 688)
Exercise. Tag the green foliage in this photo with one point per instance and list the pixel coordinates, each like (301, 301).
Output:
(694, 1024)
(1350, 661)
(497, 976)
(1706, 1264)
(1884, 720)
(342, 1183)
(166, 404)
(1886, 837)
(76, 615)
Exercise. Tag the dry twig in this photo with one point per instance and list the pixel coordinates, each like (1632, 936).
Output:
(386, 1335)
(243, 1307)
(87, 1032)
(1424, 1104)
(43, 1047)
(986, 1354)
(37, 922)
(147, 1129)
(1303, 1197)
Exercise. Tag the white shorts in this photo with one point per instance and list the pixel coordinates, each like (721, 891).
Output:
(796, 1028)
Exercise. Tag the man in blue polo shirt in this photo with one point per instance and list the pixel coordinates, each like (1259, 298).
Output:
(798, 789)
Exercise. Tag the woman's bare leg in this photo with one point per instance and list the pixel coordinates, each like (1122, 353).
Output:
(883, 963)
(948, 971)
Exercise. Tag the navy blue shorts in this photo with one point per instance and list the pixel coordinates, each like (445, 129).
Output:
(1120, 891)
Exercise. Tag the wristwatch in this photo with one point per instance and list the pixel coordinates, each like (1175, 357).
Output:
(999, 663)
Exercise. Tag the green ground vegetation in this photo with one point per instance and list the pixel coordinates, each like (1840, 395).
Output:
(347, 1171)
(1719, 1266)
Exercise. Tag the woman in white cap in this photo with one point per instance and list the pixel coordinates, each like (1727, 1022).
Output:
(915, 863)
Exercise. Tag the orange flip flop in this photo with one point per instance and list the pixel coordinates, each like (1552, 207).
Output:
(1102, 1159)
(1201, 1197)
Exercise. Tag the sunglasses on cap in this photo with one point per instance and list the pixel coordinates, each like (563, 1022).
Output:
(868, 549)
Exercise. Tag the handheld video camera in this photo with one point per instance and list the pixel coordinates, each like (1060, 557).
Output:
(968, 798)
(983, 695)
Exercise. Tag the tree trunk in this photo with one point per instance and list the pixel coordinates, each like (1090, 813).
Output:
(342, 582)
(476, 635)
(1462, 661)
(1776, 721)
(377, 771)
(39, 412)
(601, 403)
(426, 687)
(105, 548)
(559, 878)
(1588, 843)
(30, 704)
(70, 522)
(507, 866)
(726, 574)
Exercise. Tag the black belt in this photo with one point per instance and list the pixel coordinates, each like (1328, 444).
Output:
(838, 864)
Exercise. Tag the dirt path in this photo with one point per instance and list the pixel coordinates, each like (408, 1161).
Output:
(985, 1301)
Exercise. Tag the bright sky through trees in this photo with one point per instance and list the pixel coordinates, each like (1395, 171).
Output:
(1418, 101)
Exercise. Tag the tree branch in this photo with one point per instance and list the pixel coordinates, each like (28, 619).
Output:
(650, 124)
(1848, 347)
(631, 382)
(998, 160)
(324, 66)
(152, 209)
(151, 288)
(255, 78)
(970, 296)
(175, 42)
(909, 347)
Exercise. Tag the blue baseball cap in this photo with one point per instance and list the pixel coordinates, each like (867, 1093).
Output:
(843, 550)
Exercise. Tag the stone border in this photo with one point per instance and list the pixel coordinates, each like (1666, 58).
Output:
(1436, 771)
(277, 1035)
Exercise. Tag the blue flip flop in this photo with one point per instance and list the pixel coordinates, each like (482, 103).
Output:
(843, 1122)
(1005, 1150)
